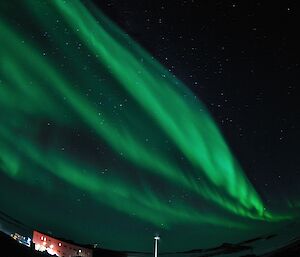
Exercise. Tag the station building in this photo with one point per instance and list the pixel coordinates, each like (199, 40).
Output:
(58, 247)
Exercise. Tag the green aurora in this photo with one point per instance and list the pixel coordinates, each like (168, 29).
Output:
(87, 114)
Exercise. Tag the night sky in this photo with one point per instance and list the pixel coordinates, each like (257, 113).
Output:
(121, 120)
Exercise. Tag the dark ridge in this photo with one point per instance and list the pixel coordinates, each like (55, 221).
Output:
(257, 239)
(270, 236)
(291, 250)
(105, 252)
(230, 248)
(14, 249)
(223, 248)
(251, 240)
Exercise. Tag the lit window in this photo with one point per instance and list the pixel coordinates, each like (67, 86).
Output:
(51, 246)
(79, 250)
(42, 238)
(59, 244)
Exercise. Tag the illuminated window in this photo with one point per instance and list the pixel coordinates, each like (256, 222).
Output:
(79, 251)
(59, 244)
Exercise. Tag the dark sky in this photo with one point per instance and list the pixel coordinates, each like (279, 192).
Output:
(242, 60)
(101, 143)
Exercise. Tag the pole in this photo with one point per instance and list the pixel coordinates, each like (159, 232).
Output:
(156, 238)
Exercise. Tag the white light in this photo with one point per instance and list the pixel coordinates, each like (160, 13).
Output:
(51, 246)
(59, 244)
(50, 251)
(156, 237)
(79, 250)
(40, 248)
(42, 238)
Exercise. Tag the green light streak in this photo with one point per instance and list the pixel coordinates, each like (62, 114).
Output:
(208, 150)
(111, 191)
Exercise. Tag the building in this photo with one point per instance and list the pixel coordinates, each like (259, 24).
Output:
(21, 239)
(61, 248)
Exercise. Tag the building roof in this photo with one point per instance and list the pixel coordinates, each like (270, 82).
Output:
(89, 246)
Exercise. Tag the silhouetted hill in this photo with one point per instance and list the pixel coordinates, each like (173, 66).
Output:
(291, 250)
(98, 252)
(14, 249)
